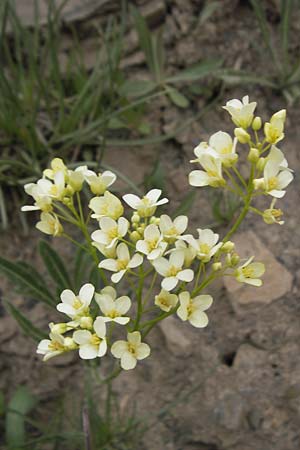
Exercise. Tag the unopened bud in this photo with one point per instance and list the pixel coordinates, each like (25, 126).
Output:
(227, 247)
(134, 236)
(257, 123)
(86, 323)
(216, 266)
(260, 165)
(253, 155)
(58, 328)
(69, 344)
(232, 259)
(135, 218)
(242, 136)
(141, 230)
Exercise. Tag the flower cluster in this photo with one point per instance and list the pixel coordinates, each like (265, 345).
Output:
(131, 243)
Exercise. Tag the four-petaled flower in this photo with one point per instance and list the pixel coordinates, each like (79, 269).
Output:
(166, 301)
(51, 347)
(76, 306)
(152, 245)
(250, 272)
(130, 351)
(212, 173)
(92, 344)
(172, 270)
(241, 111)
(192, 309)
(146, 205)
(110, 231)
(122, 263)
(112, 307)
(206, 245)
(99, 182)
(275, 180)
(106, 206)
(172, 229)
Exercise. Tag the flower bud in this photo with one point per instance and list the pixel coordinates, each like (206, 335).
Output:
(216, 266)
(242, 136)
(256, 124)
(260, 165)
(135, 218)
(58, 328)
(86, 322)
(141, 230)
(69, 344)
(227, 247)
(253, 155)
(134, 236)
(232, 259)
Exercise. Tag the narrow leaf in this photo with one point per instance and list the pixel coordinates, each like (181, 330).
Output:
(25, 324)
(197, 71)
(137, 88)
(21, 404)
(177, 98)
(55, 265)
(26, 281)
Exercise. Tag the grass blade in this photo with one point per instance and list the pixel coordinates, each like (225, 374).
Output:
(25, 324)
(55, 265)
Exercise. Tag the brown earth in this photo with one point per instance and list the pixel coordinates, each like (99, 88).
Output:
(241, 375)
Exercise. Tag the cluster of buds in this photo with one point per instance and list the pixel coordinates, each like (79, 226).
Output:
(135, 243)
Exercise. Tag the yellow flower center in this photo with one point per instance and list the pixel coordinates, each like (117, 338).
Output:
(77, 304)
(54, 190)
(95, 340)
(173, 271)
(131, 348)
(152, 244)
(56, 346)
(273, 183)
(248, 272)
(113, 233)
(212, 173)
(204, 248)
(276, 213)
(164, 301)
(190, 309)
(122, 264)
(225, 150)
(113, 314)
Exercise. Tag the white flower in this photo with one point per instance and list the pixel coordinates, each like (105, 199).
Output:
(92, 345)
(112, 307)
(241, 111)
(99, 182)
(40, 193)
(189, 252)
(106, 206)
(172, 270)
(274, 129)
(51, 347)
(57, 165)
(110, 252)
(145, 206)
(224, 148)
(130, 351)
(276, 156)
(166, 301)
(206, 245)
(250, 272)
(152, 244)
(171, 230)
(274, 181)
(110, 231)
(76, 306)
(212, 173)
(50, 224)
(76, 177)
(273, 215)
(192, 309)
(122, 263)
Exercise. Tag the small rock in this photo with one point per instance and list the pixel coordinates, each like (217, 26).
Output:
(277, 281)
(231, 410)
(176, 340)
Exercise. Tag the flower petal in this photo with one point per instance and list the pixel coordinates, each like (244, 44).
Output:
(128, 361)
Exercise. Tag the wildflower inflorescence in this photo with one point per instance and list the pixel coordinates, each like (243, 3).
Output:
(143, 245)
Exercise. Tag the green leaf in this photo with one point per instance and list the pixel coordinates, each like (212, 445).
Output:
(2, 404)
(197, 71)
(116, 124)
(145, 38)
(26, 281)
(177, 98)
(238, 76)
(55, 265)
(286, 11)
(19, 406)
(25, 324)
(185, 204)
(136, 88)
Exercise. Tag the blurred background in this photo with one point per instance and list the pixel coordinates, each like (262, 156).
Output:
(133, 86)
